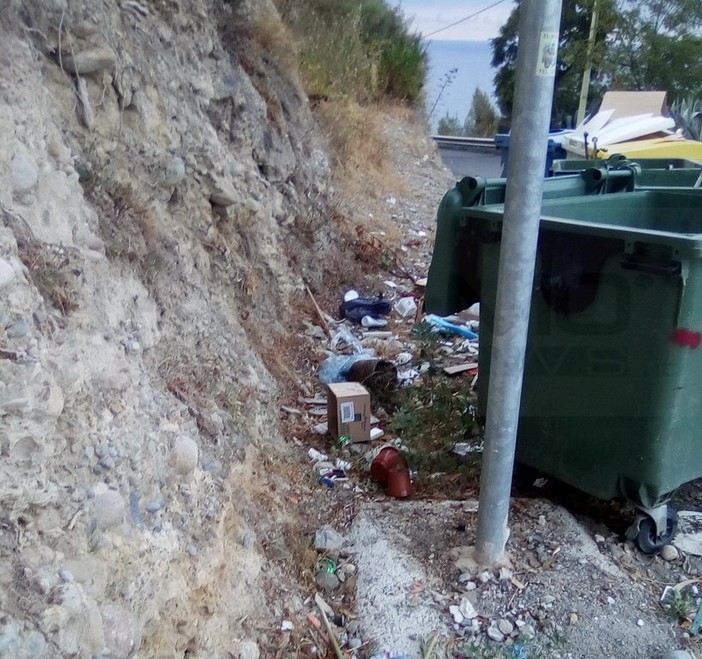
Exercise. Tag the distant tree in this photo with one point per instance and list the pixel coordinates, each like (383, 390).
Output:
(574, 30)
(482, 118)
(657, 44)
(449, 125)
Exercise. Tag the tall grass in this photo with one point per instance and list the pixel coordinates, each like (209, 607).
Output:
(358, 49)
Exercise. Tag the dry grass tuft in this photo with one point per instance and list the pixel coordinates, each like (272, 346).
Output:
(56, 272)
(275, 39)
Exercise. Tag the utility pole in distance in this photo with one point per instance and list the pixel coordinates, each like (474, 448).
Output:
(539, 22)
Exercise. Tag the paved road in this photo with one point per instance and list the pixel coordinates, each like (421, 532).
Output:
(472, 163)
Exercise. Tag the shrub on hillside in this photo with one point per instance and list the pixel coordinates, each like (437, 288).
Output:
(362, 49)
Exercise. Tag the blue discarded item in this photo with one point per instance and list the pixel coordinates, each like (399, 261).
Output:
(359, 307)
(337, 367)
(442, 323)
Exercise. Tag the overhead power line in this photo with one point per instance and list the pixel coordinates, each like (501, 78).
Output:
(463, 20)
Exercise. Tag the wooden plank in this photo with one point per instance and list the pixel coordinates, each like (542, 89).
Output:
(460, 368)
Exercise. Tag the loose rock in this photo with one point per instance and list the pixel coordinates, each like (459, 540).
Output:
(670, 553)
(505, 626)
(184, 456)
(327, 580)
(327, 539)
(494, 633)
(109, 509)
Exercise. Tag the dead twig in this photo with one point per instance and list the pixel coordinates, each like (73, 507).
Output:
(332, 637)
(320, 315)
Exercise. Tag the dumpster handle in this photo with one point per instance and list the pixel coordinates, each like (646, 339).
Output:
(672, 269)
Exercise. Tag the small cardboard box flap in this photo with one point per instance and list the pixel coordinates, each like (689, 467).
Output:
(629, 104)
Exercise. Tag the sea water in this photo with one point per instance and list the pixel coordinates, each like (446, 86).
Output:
(472, 59)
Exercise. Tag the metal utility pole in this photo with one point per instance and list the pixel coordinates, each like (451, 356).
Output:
(536, 65)
(585, 86)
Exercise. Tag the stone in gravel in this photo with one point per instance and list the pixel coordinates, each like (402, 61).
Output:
(155, 505)
(573, 619)
(327, 539)
(494, 633)
(505, 574)
(484, 577)
(249, 650)
(670, 553)
(7, 272)
(327, 580)
(505, 626)
(88, 61)
(18, 329)
(470, 585)
(109, 509)
(355, 643)
(640, 622)
(677, 654)
(353, 627)
(467, 609)
(527, 631)
(24, 174)
(122, 631)
(456, 613)
(185, 455)
(548, 599)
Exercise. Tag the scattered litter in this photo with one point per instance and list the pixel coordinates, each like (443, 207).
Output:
(442, 323)
(406, 307)
(403, 358)
(390, 284)
(689, 535)
(317, 456)
(364, 306)
(351, 295)
(369, 321)
(377, 335)
(421, 282)
(334, 369)
(697, 622)
(290, 410)
(287, 626)
(346, 337)
(464, 448)
(460, 368)
(376, 433)
(540, 482)
(321, 428)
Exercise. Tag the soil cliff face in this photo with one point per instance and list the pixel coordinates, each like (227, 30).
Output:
(161, 192)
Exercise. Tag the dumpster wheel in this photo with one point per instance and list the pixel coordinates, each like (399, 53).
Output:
(649, 540)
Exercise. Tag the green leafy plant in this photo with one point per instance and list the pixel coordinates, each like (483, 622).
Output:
(680, 605)
(687, 113)
(434, 413)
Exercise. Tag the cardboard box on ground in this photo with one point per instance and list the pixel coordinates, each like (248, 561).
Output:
(348, 411)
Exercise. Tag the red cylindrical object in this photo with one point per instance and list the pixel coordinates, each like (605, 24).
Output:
(384, 462)
(399, 483)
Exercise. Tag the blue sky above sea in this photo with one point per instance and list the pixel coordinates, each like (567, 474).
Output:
(472, 61)
(465, 47)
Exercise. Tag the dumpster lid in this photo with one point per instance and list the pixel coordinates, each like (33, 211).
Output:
(661, 217)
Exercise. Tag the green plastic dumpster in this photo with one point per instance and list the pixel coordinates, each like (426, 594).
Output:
(453, 281)
(612, 395)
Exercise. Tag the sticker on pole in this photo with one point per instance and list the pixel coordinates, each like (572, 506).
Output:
(548, 49)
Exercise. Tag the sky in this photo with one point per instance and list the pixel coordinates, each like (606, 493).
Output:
(429, 15)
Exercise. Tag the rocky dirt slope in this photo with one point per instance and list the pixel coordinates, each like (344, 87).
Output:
(162, 192)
